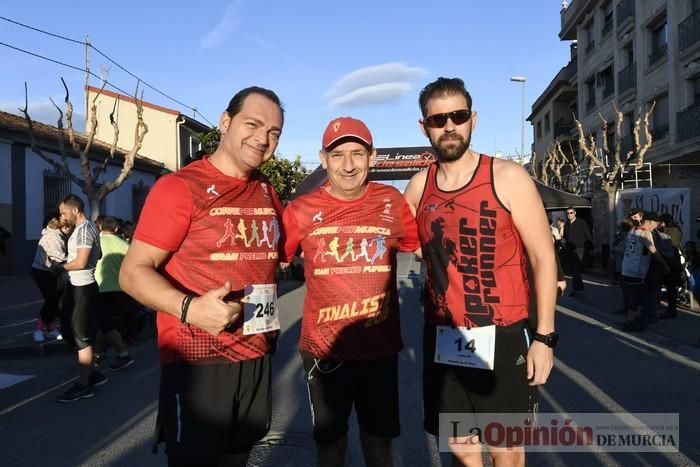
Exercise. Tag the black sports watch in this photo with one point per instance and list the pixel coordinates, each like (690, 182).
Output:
(550, 340)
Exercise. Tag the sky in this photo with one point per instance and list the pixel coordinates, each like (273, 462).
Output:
(366, 59)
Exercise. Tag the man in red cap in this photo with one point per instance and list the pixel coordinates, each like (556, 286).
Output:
(350, 231)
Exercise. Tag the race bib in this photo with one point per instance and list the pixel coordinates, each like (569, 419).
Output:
(260, 309)
(473, 348)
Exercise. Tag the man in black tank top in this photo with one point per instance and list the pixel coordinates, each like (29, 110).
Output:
(479, 355)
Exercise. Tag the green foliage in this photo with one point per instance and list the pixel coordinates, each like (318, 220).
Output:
(209, 140)
(285, 175)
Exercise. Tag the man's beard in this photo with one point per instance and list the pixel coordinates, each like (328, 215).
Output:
(453, 153)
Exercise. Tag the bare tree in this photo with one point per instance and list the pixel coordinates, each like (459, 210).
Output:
(89, 176)
(613, 163)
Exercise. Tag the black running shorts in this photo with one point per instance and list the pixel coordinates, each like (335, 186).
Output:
(456, 389)
(208, 410)
(79, 317)
(372, 386)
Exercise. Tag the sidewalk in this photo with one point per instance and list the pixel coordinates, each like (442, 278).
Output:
(604, 297)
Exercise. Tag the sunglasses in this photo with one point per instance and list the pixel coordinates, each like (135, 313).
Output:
(458, 117)
(571, 212)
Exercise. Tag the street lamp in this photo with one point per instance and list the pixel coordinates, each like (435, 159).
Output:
(521, 79)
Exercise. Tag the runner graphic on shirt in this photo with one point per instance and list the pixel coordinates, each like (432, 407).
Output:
(274, 224)
(349, 250)
(228, 234)
(264, 238)
(242, 231)
(254, 235)
(321, 250)
(333, 245)
(440, 251)
(363, 250)
(381, 249)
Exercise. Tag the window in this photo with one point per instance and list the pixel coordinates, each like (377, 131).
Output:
(611, 141)
(539, 129)
(546, 122)
(56, 187)
(696, 90)
(606, 81)
(589, 36)
(139, 191)
(590, 94)
(696, 5)
(659, 43)
(661, 118)
(607, 18)
(628, 54)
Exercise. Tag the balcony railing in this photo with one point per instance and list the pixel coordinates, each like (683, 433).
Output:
(563, 126)
(689, 31)
(658, 53)
(625, 9)
(688, 122)
(627, 78)
(659, 131)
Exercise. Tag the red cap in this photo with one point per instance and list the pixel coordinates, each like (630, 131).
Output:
(346, 127)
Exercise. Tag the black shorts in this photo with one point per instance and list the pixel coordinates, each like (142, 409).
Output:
(79, 317)
(208, 410)
(456, 389)
(372, 386)
(113, 306)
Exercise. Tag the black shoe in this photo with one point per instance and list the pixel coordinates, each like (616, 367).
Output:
(122, 362)
(97, 378)
(76, 392)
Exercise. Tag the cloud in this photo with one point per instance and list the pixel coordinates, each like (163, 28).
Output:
(229, 22)
(44, 112)
(373, 85)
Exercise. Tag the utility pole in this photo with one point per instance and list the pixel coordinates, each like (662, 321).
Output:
(87, 78)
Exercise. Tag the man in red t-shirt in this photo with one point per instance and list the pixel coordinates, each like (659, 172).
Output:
(350, 231)
(214, 289)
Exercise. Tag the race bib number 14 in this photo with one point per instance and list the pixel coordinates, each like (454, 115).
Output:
(474, 348)
(260, 309)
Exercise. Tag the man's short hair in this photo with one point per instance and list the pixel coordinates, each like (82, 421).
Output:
(651, 216)
(74, 201)
(236, 103)
(443, 87)
(109, 224)
(635, 211)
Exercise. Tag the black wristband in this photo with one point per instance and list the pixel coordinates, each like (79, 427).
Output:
(185, 306)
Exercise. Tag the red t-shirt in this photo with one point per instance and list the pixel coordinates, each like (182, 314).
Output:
(476, 261)
(219, 228)
(351, 309)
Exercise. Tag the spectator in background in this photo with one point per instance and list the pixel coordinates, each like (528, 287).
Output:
(636, 215)
(657, 269)
(112, 302)
(577, 236)
(51, 248)
(126, 230)
(669, 242)
(618, 251)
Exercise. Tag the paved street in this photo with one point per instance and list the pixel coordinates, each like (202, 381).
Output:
(598, 368)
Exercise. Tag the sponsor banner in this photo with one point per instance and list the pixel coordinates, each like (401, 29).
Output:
(673, 201)
(400, 163)
(558, 432)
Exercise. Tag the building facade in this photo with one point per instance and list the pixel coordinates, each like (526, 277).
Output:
(628, 55)
(30, 188)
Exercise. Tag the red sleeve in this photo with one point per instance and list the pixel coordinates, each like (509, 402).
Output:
(410, 241)
(291, 229)
(167, 214)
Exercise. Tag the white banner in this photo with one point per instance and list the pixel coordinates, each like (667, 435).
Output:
(673, 201)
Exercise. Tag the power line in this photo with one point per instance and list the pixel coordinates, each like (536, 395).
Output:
(65, 65)
(58, 36)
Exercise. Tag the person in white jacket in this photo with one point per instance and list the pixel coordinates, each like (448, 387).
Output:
(51, 249)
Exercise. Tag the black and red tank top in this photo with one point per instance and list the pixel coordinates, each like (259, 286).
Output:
(475, 257)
